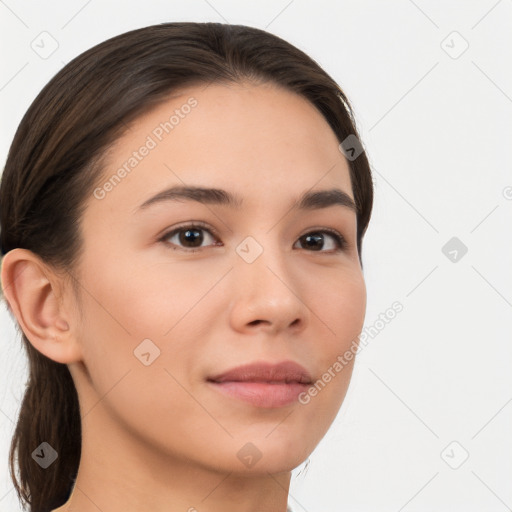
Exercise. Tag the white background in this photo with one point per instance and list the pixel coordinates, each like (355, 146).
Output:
(437, 130)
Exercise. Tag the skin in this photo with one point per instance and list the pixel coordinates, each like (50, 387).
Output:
(158, 437)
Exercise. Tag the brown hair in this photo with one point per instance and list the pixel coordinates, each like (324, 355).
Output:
(54, 163)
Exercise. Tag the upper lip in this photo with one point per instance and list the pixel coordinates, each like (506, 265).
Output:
(286, 371)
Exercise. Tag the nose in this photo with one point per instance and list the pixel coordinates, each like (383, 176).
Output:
(267, 296)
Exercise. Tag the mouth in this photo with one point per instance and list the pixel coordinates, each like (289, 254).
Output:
(263, 384)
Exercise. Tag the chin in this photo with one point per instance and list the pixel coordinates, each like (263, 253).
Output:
(276, 453)
(259, 454)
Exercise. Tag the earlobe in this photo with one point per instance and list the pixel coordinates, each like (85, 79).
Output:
(32, 292)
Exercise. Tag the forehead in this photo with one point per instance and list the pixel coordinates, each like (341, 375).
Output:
(260, 141)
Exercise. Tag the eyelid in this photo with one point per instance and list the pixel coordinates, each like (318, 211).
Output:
(191, 224)
(341, 241)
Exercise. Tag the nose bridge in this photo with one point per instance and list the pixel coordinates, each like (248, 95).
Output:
(267, 290)
(263, 261)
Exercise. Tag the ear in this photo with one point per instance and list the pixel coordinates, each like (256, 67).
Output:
(34, 295)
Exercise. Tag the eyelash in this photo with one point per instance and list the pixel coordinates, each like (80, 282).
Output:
(340, 240)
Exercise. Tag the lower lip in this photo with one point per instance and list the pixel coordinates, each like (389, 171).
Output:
(262, 394)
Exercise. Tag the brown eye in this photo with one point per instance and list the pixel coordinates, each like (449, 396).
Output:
(188, 238)
(316, 241)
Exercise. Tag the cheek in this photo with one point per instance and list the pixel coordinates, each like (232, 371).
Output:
(151, 300)
(342, 308)
(131, 311)
(166, 295)
(144, 398)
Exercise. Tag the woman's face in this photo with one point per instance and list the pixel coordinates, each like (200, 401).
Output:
(165, 310)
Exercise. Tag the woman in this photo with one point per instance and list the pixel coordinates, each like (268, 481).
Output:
(182, 215)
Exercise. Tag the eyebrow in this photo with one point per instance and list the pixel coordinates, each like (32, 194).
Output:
(310, 200)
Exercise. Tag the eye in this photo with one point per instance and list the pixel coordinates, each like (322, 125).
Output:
(191, 236)
(315, 240)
